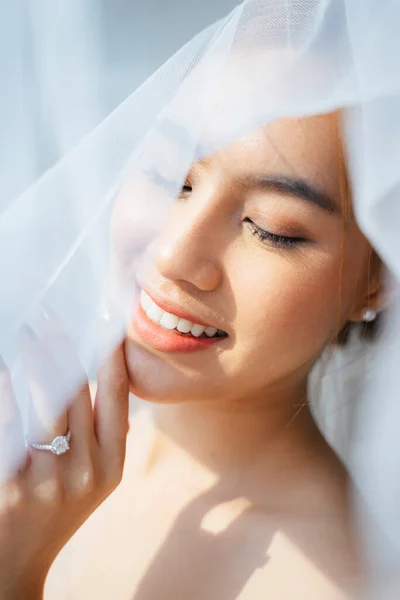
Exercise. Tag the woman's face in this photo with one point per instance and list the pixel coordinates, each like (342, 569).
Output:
(255, 248)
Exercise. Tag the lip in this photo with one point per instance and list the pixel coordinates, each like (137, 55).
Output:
(165, 340)
(172, 308)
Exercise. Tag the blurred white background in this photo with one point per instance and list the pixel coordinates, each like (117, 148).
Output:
(65, 64)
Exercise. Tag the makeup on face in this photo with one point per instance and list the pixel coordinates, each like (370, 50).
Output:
(169, 329)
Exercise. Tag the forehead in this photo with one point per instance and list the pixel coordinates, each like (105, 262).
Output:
(308, 148)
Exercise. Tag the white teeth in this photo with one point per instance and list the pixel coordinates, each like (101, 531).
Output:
(154, 312)
(184, 326)
(145, 300)
(169, 321)
(197, 330)
(211, 331)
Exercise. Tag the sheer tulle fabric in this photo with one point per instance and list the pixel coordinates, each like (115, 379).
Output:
(266, 59)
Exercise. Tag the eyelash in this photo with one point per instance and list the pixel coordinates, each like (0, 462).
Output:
(280, 241)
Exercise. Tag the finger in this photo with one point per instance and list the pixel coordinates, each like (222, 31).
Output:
(80, 419)
(71, 387)
(50, 479)
(79, 475)
(47, 410)
(12, 445)
(111, 410)
(47, 416)
(54, 375)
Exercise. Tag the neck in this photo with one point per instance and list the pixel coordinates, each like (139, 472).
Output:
(225, 437)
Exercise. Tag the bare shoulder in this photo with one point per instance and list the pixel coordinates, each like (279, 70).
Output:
(311, 546)
(293, 545)
(303, 557)
(291, 574)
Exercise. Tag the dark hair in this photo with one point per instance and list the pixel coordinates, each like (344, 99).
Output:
(368, 331)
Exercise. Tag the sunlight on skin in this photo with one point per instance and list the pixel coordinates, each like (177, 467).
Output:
(221, 517)
(291, 575)
(215, 424)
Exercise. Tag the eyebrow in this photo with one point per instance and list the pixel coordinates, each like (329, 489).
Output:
(297, 188)
(285, 185)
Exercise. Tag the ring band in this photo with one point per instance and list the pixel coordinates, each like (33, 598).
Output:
(60, 444)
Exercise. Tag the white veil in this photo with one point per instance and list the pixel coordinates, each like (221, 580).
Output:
(266, 59)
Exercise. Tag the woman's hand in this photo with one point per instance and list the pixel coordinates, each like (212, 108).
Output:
(48, 499)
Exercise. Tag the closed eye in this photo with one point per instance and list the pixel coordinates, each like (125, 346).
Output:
(280, 241)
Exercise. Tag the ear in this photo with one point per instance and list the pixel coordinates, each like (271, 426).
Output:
(376, 293)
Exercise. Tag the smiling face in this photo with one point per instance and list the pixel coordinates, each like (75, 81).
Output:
(255, 248)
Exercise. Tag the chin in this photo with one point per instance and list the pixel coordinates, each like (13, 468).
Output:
(153, 380)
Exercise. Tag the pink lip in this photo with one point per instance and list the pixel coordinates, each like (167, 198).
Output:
(175, 310)
(165, 340)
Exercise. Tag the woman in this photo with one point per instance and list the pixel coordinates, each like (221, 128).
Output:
(229, 489)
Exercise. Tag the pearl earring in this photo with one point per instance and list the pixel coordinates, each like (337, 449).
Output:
(368, 315)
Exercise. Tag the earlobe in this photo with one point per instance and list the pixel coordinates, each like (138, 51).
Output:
(366, 315)
(369, 314)
(369, 308)
(371, 304)
(376, 302)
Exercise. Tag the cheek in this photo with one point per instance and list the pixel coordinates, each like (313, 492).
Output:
(288, 303)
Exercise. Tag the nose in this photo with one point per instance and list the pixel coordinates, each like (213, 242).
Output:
(190, 247)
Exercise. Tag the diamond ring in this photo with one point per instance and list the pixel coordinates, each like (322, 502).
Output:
(60, 444)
